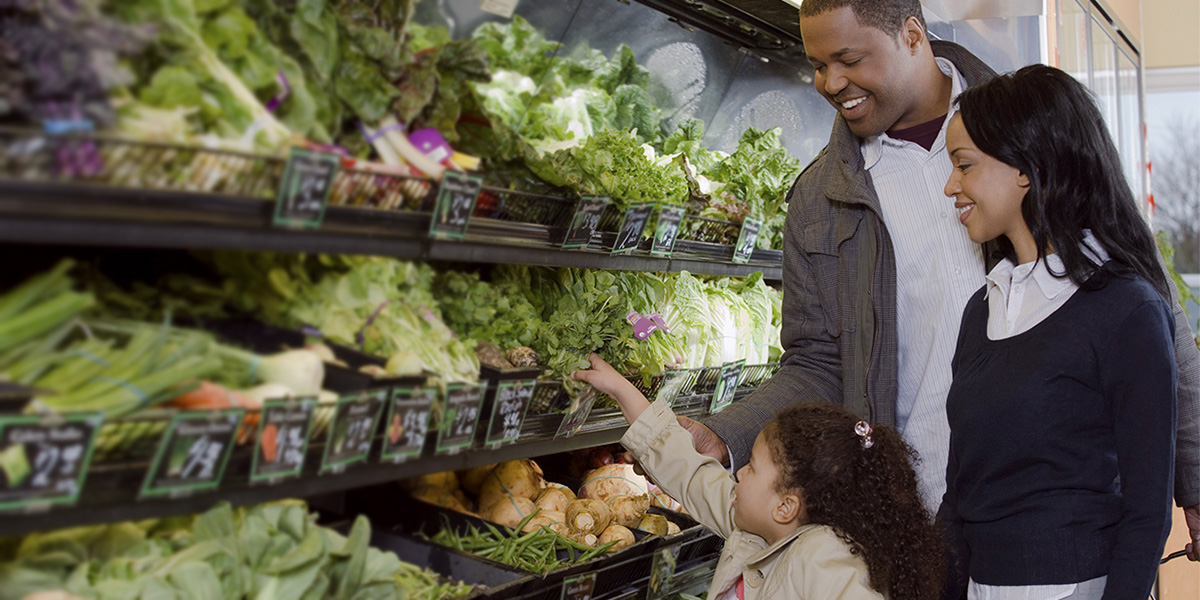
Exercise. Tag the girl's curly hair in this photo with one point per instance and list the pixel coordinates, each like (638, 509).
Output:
(867, 495)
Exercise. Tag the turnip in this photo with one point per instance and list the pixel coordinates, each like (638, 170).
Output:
(521, 478)
(619, 534)
(613, 480)
(587, 539)
(672, 528)
(629, 510)
(559, 486)
(661, 499)
(656, 524)
(555, 499)
(472, 479)
(588, 516)
(553, 520)
(511, 511)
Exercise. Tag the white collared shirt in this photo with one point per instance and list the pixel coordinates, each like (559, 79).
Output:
(1021, 296)
(938, 269)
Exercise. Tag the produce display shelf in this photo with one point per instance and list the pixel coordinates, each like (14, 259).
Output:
(96, 215)
(110, 492)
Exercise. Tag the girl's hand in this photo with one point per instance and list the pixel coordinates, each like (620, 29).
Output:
(607, 380)
(603, 377)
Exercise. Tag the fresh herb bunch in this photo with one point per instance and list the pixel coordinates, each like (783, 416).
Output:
(487, 312)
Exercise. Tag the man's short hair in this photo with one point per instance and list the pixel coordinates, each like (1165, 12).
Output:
(887, 16)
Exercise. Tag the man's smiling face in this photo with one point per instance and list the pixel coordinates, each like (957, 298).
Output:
(861, 70)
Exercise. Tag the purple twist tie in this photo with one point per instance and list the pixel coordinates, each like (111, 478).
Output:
(287, 91)
(359, 337)
(371, 137)
(311, 331)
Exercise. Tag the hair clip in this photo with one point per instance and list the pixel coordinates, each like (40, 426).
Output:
(864, 431)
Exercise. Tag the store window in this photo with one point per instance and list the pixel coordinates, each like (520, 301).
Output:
(1073, 25)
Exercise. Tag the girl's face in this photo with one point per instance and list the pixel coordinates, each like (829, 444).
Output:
(756, 499)
(987, 193)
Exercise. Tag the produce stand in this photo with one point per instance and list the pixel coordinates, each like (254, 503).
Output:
(74, 192)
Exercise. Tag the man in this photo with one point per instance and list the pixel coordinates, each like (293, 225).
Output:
(877, 269)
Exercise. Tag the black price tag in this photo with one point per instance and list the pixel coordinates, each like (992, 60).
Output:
(44, 460)
(579, 587)
(662, 573)
(407, 424)
(455, 203)
(283, 432)
(587, 218)
(352, 430)
(193, 453)
(727, 384)
(632, 226)
(669, 220)
(508, 411)
(460, 417)
(577, 413)
(747, 239)
(304, 191)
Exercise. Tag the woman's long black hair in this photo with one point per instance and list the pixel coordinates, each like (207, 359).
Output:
(1046, 124)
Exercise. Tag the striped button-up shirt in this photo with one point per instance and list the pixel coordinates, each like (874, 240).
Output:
(938, 268)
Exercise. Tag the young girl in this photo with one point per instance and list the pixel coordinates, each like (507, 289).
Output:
(827, 507)
(1062, 409)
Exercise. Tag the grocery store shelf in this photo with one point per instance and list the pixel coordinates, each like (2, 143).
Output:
(109, 494)
(41, 213)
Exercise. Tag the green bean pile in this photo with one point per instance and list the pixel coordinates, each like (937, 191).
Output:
(536, 551)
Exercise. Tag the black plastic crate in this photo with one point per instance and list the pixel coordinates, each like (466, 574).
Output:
(713, 231)
(32, 155)
(524, 207)
(490, 578)
(377, 188)
(755, 375)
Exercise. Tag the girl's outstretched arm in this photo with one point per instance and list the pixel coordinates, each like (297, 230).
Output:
(606, 379)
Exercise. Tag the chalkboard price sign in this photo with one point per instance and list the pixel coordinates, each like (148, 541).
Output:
(455, 203)
(282, 439)
(43, 461)
(586, 220)
(727, 384)
(747, 240)
(508, 412)
(304, 191)
(353, 429)
(579, 587)
(630, 234)
(193, 453)
(460, 417)
(577, 413)
(669, 220)
(407, 424)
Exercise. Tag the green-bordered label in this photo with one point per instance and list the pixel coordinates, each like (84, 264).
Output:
(282, 442)
(304, 191)
(460, 417)
(455, 203)
(747, 239)
(353, 429)
(669, 220)
(662, 573)
(407, 424)
(193, 453)
(632, 226)
(586, 220)
(44, 460)
(508, 410)
(579, 587)
(727, 383)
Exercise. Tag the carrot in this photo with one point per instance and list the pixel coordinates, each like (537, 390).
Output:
(212, 396)
(270, 442)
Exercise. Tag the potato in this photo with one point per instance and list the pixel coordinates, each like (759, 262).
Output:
(511, 512)
(472, 479)
(588, 516)
(555, 499)
(629, 510)
(656, 524)
(548, 518)
(520, 478)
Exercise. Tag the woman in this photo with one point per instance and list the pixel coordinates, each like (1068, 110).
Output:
(1062, 410)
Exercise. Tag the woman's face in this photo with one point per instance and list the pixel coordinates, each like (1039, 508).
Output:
(987, 193)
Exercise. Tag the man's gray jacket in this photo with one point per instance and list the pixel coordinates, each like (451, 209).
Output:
(839, 306)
